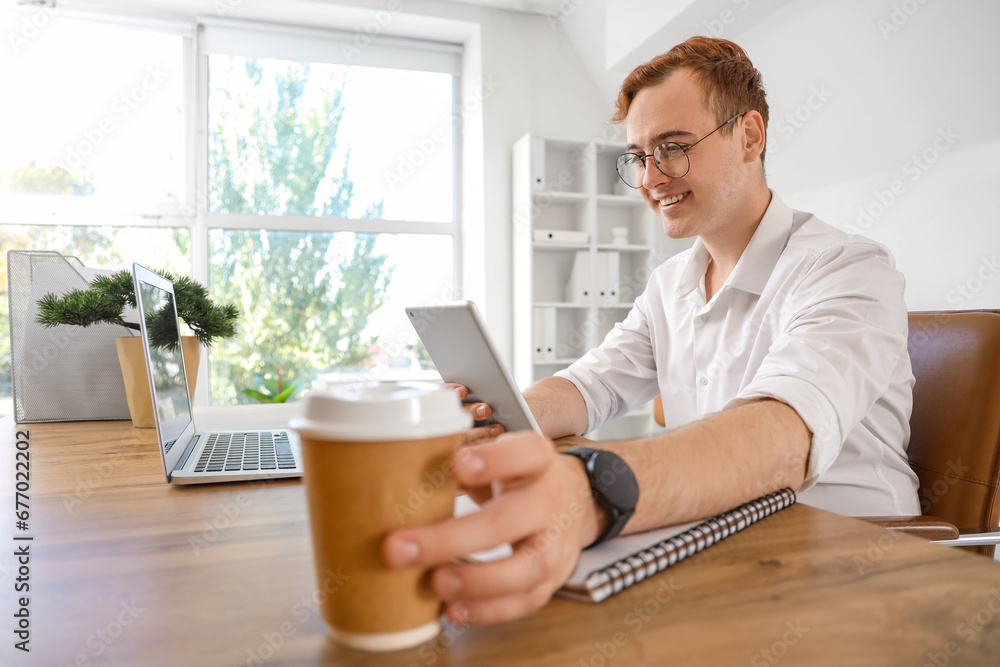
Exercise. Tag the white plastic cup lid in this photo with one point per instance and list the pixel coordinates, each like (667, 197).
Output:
(364, 411)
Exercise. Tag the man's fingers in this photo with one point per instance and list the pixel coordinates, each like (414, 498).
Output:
(462, 390)
(508, 457)
(481, 433)
(533, 562)
(510, 519)
(478, 410)
(495, 610)
(479, 494)
(538, 512)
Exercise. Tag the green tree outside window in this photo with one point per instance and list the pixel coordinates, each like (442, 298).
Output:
(305, 297)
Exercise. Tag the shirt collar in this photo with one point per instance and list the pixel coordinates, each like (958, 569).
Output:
(758, 259)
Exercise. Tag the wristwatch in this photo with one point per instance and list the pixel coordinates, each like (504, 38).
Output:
(612, 484)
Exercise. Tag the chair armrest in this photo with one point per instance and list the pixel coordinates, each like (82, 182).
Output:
(927, 527)
(974, 538)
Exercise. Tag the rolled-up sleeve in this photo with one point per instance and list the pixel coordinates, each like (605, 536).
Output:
(618, 375)
(842, 338)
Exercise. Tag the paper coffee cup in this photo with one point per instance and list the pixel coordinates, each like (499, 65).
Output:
(376, 457)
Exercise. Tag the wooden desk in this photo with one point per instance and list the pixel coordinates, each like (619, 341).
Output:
(127, 570)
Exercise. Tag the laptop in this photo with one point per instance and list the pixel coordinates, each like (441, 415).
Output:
(190, 456)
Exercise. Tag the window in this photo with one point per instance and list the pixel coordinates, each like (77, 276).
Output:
(321, 199)
(330, 202)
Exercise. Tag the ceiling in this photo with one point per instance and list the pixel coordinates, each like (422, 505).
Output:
(529, 6)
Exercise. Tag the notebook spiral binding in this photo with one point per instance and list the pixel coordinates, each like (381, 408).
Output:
(631, 570)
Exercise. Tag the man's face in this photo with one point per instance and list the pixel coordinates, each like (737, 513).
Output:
(702, 201)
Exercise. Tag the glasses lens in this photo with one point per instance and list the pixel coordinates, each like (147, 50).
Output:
(630, 169)
(672, 160)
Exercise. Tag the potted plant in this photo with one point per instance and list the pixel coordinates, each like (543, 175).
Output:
(105, 302)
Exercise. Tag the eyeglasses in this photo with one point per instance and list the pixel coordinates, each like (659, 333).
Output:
(670, 158)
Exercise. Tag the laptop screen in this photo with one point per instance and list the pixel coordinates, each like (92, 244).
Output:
(166, 362)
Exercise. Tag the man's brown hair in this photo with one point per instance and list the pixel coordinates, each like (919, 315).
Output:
(731, 83)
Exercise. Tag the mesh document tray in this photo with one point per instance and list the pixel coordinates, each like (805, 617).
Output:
(62, 373)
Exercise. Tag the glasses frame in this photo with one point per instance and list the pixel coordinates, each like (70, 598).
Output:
(656, 149)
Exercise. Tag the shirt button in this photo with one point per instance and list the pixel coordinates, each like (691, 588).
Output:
(703, 317)
(703, 381)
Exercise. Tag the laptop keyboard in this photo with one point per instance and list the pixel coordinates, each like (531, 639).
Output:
(246, 451)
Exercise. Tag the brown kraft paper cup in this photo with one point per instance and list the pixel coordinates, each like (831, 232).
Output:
(358, 490)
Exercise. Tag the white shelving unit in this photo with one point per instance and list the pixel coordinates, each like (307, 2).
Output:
(568, 186)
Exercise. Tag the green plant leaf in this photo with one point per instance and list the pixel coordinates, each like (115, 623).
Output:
(287, 393)
(270, 383)
(256, 395)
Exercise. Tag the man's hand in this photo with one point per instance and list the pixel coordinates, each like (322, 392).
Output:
(545, 511)
(479, 411)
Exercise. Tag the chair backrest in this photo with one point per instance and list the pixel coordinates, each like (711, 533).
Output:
(955, 426)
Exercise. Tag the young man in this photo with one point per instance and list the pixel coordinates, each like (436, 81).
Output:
(778, 344)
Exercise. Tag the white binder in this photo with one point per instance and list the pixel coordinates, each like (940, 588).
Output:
(579, 288)
(549, 352)
(538, 334)
(608, 278)
(544, 334)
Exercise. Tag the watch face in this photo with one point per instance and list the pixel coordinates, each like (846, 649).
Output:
(615, 480)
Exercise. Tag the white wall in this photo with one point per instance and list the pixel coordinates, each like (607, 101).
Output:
(543, 89)
(857, 89)
(905, 149)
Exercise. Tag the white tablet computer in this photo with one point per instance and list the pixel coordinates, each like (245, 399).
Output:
(455, 336)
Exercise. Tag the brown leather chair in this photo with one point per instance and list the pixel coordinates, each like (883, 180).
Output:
(955, 428)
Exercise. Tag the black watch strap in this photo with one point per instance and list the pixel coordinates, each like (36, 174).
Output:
(613, 485)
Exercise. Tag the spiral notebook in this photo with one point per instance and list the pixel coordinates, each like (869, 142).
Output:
(610, 568)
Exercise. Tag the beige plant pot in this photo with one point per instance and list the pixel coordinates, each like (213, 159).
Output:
(133, 363)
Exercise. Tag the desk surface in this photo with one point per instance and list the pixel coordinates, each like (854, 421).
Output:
(127, 570)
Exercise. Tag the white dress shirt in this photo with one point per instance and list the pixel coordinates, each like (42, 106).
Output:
(811, 316)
